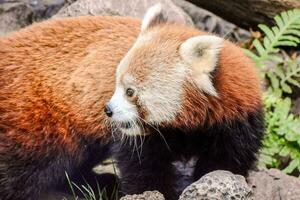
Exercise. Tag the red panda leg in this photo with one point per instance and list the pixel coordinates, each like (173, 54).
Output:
(147, 168)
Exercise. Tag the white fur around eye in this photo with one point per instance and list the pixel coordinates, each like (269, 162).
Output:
(201, 53)
(123, 110)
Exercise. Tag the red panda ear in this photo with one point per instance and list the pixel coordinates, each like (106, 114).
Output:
(154, 15)
(201, 53)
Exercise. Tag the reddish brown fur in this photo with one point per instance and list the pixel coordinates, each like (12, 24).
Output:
(220, 133)
(236, 82)
(57, 76)
(235, 78)
(238, 90)
(54, 79)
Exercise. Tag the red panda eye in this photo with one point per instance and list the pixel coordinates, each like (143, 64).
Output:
(129, 92)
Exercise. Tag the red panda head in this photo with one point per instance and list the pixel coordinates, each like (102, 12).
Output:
(167, 77)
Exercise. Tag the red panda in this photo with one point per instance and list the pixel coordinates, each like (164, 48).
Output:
(183, 94)
(55, 79)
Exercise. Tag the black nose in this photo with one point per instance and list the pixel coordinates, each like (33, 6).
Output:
(108, 111)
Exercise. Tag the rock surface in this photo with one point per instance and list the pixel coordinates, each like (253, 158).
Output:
(133, 8)
(15, 14)
(274, 184)
(148, 195)
(264, 184)
(218, 185)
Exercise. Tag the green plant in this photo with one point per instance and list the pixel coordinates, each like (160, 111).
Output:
(282, 141)
(88, 192)
(282, 135)
(286, 32)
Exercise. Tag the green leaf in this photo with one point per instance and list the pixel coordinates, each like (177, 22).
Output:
(290, 38)
(276, 58)
(279, 21)
(276, 31)
(298, 141)
(250, 54)
(279, 72)
(274, 80)
(285, 108)
(267, 160)
(267, 31)
(286, 43)
(281, 130)
(277, 93)
(259, 47)
(292, 136)
(294, 82)
(292, 166)
(293, 32)
(285, 17)
(286, 88)
(295, 126)
(284, 151)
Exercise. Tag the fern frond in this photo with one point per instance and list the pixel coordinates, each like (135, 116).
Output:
(286, 32)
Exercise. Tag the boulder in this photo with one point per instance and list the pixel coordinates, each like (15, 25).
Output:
(218, 185)
(262, 184)
(274, 184)
(15, 14)
(148, 195)
(133, 8)
(223, 185)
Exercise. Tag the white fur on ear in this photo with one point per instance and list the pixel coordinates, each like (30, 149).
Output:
(154, 16)
(202, 54)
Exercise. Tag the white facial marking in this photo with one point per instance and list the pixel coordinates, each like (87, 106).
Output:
(201, 53)
(162, 94)
(123, 110)
(127, 111)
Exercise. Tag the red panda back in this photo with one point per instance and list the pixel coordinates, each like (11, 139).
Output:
(56, 76)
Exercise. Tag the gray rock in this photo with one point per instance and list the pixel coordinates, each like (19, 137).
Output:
(148, 195)
(218, 185)
(15, 14)
(274, 184)
(133, 8)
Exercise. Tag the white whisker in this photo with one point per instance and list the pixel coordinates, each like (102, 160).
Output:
(157, 129)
